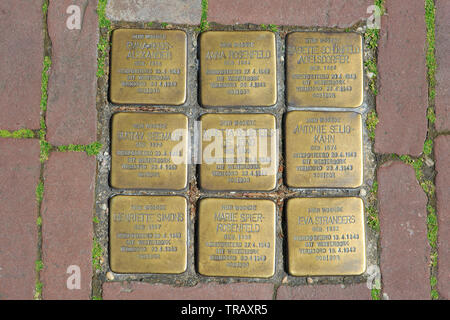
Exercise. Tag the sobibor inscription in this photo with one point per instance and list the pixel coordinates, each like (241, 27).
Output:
(149, 151)
(324, 69)
(238, 68)
(239, 152)
(236, 237)
(326, 236)
(148, 67)
(323, 149)
(148, 234)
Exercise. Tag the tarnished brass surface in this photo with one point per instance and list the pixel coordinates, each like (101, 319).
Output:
(236, 237)
(238, 68)
(323, 149)
(248, 143)
(324, 69)
(148, 234)
(149, 151)
(148, 67)
(326, 236)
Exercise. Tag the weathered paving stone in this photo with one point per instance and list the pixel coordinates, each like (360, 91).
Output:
(147, 291)
(67, 211)
(72, 88)
(173, 11)
(443, 69)
(324, 292)
(337, 13)
(19, 176)
(21, 49)
(403, 92)
(442, 153)
(405, 251)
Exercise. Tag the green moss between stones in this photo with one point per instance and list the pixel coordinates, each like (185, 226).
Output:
(204, 25)
(430, 13)
(376, 294)
(371, 123)
(428, 147)
(39, 192)
(91, 149)
(103, 43)
(97, 252)
(18, 134)
(39, 265)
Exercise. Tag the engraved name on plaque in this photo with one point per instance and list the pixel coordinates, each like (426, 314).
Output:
(239, 152)
(238, 68)
(324, 69)
(325, 236)
(148, 67)
(323, 149)
(236, 237)
(148, 234)
(149, 151)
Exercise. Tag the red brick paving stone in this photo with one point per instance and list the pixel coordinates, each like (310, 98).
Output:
(339, 13)
(324, 292)
(21, 52)
(443, 69)
(403, 93)
(405, 252)
(72, 88)
(173, 11)
(67, 211)
(442, 153)
(146, 291)
(19, 176)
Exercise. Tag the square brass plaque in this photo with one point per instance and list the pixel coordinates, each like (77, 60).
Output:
(149, 151)
(148, 234)
(239, 152)
(236, 237)
(238, 68)
(323, 149)
(324, 69)
(148, 67)
(326, 236)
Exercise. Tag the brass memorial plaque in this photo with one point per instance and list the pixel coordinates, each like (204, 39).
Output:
(149, 151)
(148, 67)
(236, 237)
(148, 234)
(324, 69)
(326, 236)
(239, 152)
(323, 149)
(238, 68)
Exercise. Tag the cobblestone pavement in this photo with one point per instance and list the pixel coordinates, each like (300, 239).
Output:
(52, 88)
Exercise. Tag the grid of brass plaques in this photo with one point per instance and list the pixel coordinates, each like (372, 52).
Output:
(238, 151)
(236, 238)
(323, 149)
(238, 68)
(148, 66)
(148, 234)
(325, 236)
(249, 153)
(324, 69)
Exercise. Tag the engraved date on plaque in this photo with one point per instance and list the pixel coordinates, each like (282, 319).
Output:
(324, 69)
(236, 237)
(323, 149)
(239, 152)
(326, 236)
(238, 68)
(148, 67)
(148, 234)
(149, 151)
